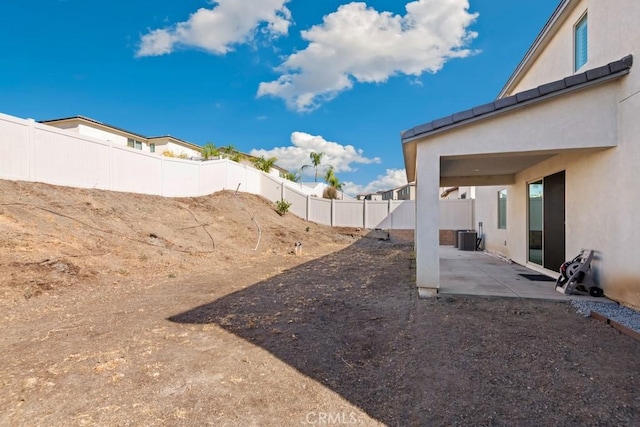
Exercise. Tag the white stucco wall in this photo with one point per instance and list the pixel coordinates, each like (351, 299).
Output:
(612, 35)
(538, 127)
(495, 240)
(162, 144)
(176, 149)
(585, 126)
(601, 214)
(101, 134)
(601, 206)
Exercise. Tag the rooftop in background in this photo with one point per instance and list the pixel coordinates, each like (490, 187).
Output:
(162, 139)
(112, 127)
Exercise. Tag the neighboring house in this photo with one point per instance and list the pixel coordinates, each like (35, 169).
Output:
(158, 144)
(390, 194)
(452, 193)
(553, 158)
(370, 196)
(163, 145)
(404, 192)
(247, 159)
(317, 189)
(407, 192)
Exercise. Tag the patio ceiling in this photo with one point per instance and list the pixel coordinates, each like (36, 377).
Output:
(495, 164)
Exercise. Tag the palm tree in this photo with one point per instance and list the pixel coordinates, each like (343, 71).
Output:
(334, 184)
(209, 150)
(263, 164)
(331, 179)
(316, 159)
(231, 153)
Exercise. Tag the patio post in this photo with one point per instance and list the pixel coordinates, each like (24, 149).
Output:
(427, 237)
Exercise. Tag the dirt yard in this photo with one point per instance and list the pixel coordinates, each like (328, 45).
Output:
(121, 309)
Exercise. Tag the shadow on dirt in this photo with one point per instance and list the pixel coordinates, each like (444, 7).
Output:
(353, 322)
(329, 321)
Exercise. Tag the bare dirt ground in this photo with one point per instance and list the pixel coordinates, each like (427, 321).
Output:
(121, 309)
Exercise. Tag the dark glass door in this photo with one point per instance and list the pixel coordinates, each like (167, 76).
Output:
(546, 200)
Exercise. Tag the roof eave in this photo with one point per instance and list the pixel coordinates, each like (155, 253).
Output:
(409, 152)
(409, 143)
(516, 106)
(93, 122)
(174, 139)
(547, 32)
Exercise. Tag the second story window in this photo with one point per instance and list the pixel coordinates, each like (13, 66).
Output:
(581, 43)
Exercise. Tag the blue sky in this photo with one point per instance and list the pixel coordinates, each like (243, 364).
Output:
(271, 77)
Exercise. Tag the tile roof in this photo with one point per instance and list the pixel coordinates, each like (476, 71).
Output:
(575, 81)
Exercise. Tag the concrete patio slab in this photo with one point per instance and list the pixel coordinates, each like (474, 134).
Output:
(478, 273)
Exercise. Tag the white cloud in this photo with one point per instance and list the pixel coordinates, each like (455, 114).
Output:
(392, 179)
(294, 156)
(217, 29)
(359, 44)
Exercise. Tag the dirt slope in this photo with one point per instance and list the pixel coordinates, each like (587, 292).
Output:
(52, 237)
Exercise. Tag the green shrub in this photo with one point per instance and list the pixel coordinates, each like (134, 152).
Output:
(282, 206)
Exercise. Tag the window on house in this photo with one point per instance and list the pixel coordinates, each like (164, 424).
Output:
(581, 42)
(502, 209)
(152, 147)
(134, 144)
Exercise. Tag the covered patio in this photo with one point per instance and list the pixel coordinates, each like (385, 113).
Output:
(478, 273)
(501, 144)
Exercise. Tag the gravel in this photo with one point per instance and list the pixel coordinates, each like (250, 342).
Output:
(624, 315)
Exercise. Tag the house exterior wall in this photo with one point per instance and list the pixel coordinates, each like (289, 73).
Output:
(407, 192)
(546, 127)
(601, 211)
(496, 240)
(612, 34)
(600, 214)
(390, 195)
(119, 137)
(176, 149)
(102, 134)
(467, 192)
(519, 131)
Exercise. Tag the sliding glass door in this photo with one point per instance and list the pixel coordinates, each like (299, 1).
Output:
(536, 194)
(546, 222)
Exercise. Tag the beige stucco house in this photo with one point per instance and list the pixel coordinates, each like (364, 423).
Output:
(554, 159)
(452, 193)
(166, 144)
(162, 145)
(404, 192)
(370, 196)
